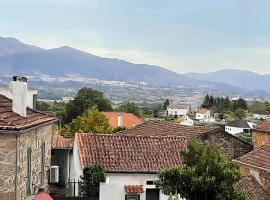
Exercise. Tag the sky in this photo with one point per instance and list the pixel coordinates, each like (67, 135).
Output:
(181, 35)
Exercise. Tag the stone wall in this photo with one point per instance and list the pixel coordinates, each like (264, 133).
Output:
(33, 139)
(7, 166)
(260, 138)
(261, 176)
(228, 144)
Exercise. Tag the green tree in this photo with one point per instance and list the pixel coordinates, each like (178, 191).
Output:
(239, 104)
(166, 104)
(239, 114)
(205, 174)
(93, 175)
(85, 98)
(257, 106)
(206, 102)
(91, 121)
(130, 107)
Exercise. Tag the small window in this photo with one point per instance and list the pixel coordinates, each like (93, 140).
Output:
(150, 183)
(132, 197)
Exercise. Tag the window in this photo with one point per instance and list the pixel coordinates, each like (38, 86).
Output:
(132, 197)
(42, 163)
(29, 172)
(150, 183)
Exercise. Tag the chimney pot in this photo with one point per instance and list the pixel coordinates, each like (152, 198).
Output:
(19, 93)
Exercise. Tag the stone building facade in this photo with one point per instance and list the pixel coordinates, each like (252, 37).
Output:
(25, 147)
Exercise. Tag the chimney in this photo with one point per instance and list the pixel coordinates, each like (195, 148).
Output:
(19, 95)
(119, 120)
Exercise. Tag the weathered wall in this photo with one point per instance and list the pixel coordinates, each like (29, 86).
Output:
(7, 166)
(261, 177)
(260, 138)
(33, 139)
(228, 144)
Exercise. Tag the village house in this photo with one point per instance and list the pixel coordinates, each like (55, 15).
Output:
(203, 114)
(185, 120)
(256, 163)
(178, 110)
(239, 126)
(263, 114)
(131, 162)
(122, 119)
(25, 145)
(230, 145)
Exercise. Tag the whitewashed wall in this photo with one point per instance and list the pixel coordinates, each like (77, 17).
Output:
(114, 188)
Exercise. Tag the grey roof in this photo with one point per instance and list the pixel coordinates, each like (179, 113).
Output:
(262, 112)
(239, 124)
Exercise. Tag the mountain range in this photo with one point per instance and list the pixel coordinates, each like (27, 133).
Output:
(23, 59)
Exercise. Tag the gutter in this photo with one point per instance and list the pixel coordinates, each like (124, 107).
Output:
(21, 131)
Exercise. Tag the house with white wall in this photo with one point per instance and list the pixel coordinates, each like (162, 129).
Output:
(178, 110)
(261, 114)
(185, 120)
(235, 127)
(203, 114)
(131, 162)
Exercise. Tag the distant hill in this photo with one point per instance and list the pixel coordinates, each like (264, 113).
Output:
(243, 79)
(23, 59)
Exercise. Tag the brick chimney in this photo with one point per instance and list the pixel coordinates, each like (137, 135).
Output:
(120, 119)
(19, 93)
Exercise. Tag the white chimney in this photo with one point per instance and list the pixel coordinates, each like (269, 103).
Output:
(19, 93)
(119, 120)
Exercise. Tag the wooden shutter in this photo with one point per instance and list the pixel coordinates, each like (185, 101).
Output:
(42, 163)
(29, 172)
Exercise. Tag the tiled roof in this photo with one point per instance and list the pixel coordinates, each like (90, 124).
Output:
(60, 142)
(165, 128)
(264, 126)
(239, 124)
(129, 153)
(258, 158)
(202, 110)
(10, 120)
(253, 189)
(129, 120)
(134, 189)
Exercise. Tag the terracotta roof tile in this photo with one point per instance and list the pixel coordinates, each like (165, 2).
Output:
(258, 158)
(253, 189)
(10, 120)
(134, 189)
(264, 126)
(165, 128)
(129, 120)
(60, 142)
(129, 153)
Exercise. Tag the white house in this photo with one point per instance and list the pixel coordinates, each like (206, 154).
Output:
(203, 114)
(178, 110)
(131, 162)
(185, 120)
(235, 127)
(261, 115)
(31, 95)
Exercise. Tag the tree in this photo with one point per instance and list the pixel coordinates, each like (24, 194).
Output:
(239, 114)
(205, 174)
(85, 98)
(91, 121)
(130, 108)
(166, 104)
(206, 102)
(239, 103)
(93, 175)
